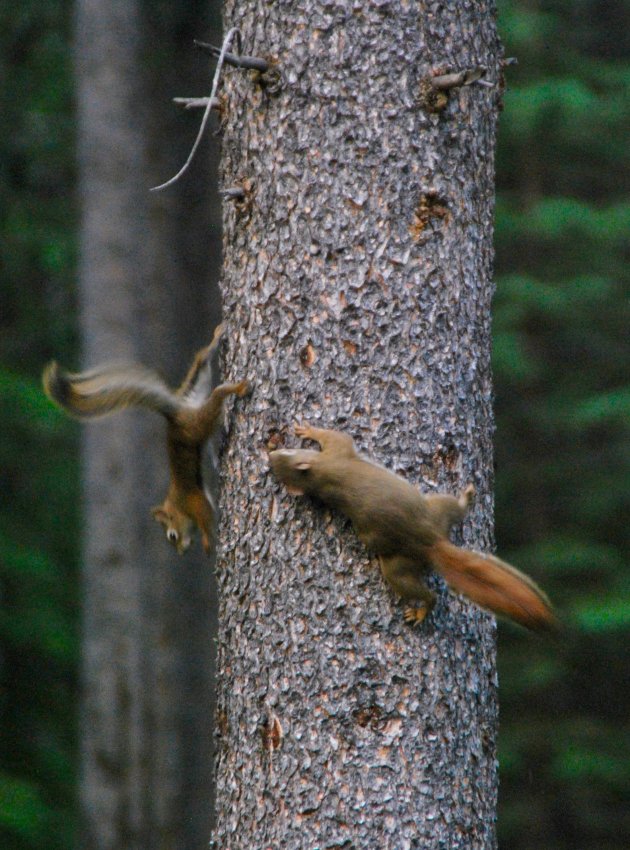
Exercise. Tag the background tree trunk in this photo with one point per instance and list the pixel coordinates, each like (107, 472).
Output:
(357, 287)
(145, 264)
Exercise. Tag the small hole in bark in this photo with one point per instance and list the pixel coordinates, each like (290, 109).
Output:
(244, 204)
(368, 716)
(271, 732)
(446, 456)
(307, 356)
(430, 206)
(222, 725)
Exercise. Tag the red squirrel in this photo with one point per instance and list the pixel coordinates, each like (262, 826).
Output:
(192, 414)
(408, 531)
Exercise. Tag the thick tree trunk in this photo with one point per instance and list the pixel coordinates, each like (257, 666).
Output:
(357, 287)
(145, 295)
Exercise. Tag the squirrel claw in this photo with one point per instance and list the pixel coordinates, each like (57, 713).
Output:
(415, 615)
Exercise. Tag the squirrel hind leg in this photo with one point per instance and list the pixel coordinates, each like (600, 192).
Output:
(197, 384)
(447, 511)
(404, 576)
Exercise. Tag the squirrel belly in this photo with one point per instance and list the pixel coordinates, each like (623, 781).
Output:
(407, 530)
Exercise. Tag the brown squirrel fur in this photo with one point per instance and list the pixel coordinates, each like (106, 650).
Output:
(191, 415)
(408, 531)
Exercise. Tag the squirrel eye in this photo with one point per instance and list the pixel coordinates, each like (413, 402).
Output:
(172, 535)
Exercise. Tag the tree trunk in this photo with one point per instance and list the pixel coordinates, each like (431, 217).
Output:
(357, 287)
(144, 272)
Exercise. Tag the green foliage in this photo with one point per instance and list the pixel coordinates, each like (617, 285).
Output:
(561, 358)
(22, 397)
(22, 811)
(38, 479)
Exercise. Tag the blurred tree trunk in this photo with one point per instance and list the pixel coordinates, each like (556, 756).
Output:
(144, 271)
(357, 287)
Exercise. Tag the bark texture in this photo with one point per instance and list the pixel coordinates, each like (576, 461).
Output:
(357, 288)
(144, 272)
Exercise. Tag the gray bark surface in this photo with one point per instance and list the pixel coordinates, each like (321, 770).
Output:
(357, 288)
(146, 731)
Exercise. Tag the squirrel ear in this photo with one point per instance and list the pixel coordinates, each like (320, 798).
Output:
(303, 465)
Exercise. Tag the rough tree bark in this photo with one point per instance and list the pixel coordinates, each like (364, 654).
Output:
(357, 287)
(144, 270)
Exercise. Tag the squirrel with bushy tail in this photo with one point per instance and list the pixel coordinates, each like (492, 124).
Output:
(192, 414)
(407, 530)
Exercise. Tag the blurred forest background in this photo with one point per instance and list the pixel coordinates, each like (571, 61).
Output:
(561, 355)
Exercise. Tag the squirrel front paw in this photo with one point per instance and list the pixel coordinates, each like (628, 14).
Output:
(242, 388)
(303, 430)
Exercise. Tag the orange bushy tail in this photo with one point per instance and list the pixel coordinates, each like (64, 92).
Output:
(493, 584)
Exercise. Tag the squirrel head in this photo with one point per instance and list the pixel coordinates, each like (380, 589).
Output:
(294, 467)
(177, 526)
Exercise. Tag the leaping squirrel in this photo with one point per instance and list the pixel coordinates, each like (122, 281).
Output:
(192, 413)
(408, 531)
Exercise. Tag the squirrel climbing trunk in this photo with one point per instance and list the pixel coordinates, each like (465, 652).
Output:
(407, 529)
